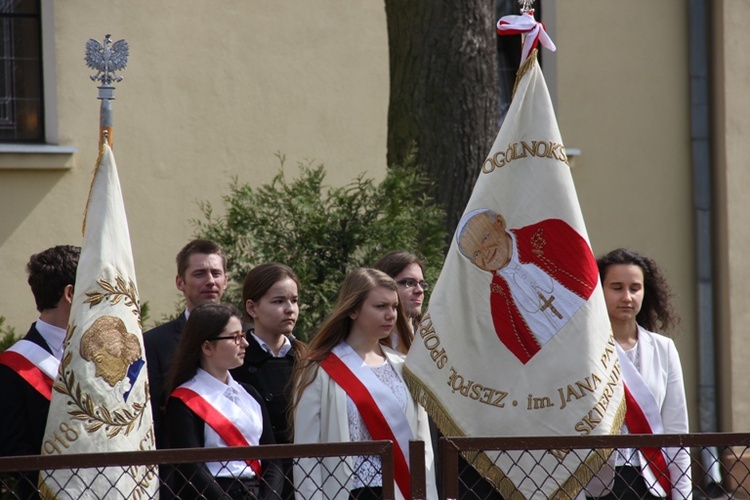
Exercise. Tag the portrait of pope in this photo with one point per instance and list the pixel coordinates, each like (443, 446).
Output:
(542, 274)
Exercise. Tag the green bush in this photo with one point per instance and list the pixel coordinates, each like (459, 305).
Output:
(323, 232)
(7, 335)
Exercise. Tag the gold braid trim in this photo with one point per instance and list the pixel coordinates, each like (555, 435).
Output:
(572, 486)
(588, 469)
(448, 427)
(45, 493)
(525, 67)
(88, 200)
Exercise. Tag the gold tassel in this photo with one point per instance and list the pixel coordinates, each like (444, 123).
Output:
(525, 67)
(96, 171)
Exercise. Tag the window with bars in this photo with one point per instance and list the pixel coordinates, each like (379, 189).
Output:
(21, 76)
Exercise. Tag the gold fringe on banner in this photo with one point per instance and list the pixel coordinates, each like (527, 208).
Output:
(525, 67)
(96, 171)
(574, 484)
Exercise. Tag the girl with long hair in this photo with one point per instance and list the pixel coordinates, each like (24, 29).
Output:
(407, 270)
(349, 387)
(208, 408)
(639, 302)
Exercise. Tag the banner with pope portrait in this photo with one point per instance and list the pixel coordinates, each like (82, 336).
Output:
(100, 399)
(516, 340)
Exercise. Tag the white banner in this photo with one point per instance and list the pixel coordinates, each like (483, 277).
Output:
(516, 340)
(100, 399)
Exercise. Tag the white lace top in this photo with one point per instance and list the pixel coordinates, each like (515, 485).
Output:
(367, 469)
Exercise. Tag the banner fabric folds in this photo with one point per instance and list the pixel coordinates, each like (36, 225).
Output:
(100, 397)
(516, 340)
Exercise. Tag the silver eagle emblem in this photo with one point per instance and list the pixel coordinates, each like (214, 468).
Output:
(106, 59)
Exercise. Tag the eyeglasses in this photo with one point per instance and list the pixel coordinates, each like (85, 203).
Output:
(237, 338)
(411, 283)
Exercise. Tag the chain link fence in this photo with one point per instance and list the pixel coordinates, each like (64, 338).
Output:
(183, 473)
(711, 465)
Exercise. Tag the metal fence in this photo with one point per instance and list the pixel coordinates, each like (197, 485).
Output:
(722, 457)
(729, 451)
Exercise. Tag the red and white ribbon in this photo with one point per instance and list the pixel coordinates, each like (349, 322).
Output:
(377, 406)
(642, 416)
(32, 363)
(525, 24)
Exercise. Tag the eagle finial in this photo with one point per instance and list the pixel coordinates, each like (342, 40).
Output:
(106, 59)
(526, 6)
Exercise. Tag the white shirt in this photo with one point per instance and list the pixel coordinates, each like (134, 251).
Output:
(282, 352)
(53, 335)
(251, 423)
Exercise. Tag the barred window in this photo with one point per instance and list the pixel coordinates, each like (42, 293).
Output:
(21, 83)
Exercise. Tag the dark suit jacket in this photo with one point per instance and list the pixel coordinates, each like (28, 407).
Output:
(23, 418)
(161, 344)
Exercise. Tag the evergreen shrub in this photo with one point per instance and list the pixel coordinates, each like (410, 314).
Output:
(323, 232)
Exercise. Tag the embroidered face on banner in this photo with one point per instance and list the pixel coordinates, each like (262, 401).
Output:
(542, 274)
(111, 348)
(484, 241)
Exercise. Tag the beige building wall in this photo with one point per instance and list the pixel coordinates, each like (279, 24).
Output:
(215, 89)
(731, 115)
(622, 93)
(212, 90)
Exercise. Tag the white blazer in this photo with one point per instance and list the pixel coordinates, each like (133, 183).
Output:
(662, 372)
(321, 417)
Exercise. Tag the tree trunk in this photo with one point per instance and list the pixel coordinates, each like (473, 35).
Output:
(444, 91)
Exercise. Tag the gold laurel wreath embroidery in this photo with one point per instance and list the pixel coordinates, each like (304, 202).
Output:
(96, 417)
(120, 291)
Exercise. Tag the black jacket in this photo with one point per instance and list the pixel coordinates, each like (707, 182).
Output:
(161, 344)
(23, 418)
(271, 377)
(186, 430)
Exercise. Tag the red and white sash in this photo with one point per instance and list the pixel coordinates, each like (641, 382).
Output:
(380, 411)
(642, 416)
(219, 413)
(34, 364)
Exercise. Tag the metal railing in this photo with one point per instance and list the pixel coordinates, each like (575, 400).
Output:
(735, 470)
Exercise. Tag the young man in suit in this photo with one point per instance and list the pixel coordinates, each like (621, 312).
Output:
(29, 367)
(202, 278)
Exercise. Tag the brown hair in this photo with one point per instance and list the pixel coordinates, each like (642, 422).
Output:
(195, 247)
(657, 311)
(394, 262)
(258, 281)
(205, 322)
(337, 326)
(50, 272)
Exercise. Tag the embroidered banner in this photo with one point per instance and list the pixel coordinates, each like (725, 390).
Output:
(516, 340)
(100, 397)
